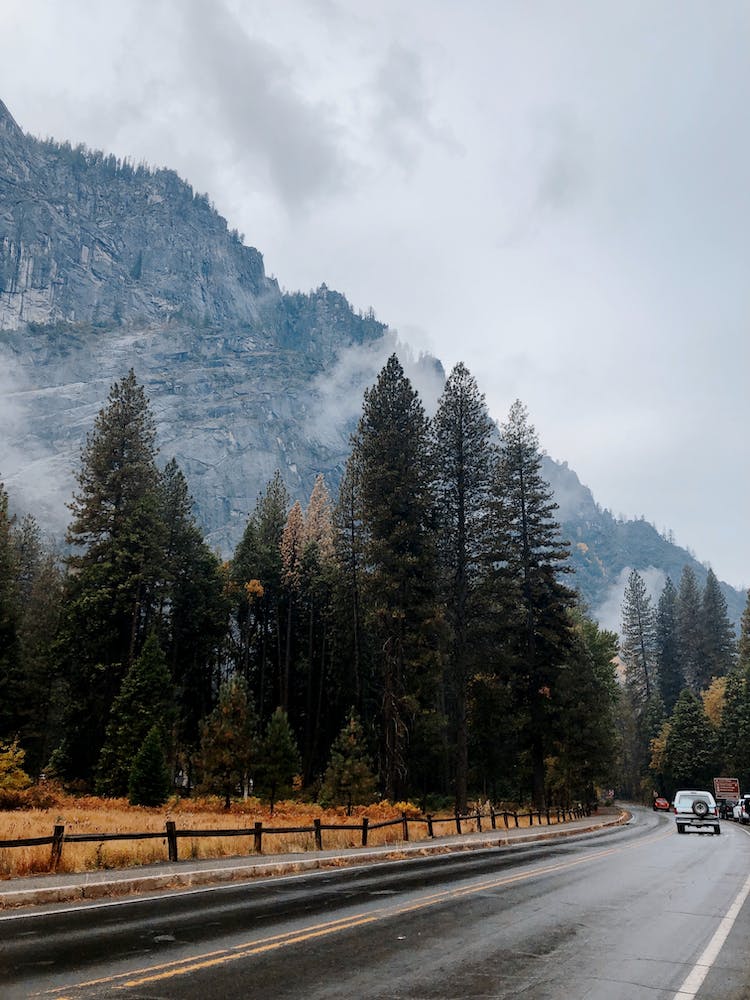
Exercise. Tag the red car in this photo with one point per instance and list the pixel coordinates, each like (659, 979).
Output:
(661, 803)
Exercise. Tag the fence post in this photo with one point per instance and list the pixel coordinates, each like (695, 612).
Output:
(57, 846)
(531, 818)
(258, 838)
(318, 835)
(430, 832)
(365, 824)
(515, 818)
(405, 825)
(548, 819)
(458, 822)
(492, 817)
(479, 820)
(172, 839)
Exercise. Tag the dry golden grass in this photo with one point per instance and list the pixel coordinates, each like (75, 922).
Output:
(91, 815)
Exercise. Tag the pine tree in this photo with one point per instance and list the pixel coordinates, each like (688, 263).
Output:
(145, 700)
(718, 642)
(638, 644)
(689, 630)
(113, 588)
(735, 725)
(279, 759)
(229, 741)
(148, 783)
(395, 506)
(735, 718)
(585, 750)
(349, 636)
(464, 452)
(349, 779)
(292, 545)
(194, 607)
(317, 580)
(743, 647)
(257, 561)
(39, 589)
(669, 667)
(11, 673)
(525, 561)
(692, 753)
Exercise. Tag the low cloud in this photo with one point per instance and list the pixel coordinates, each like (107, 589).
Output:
(339, 391)
(609, 612)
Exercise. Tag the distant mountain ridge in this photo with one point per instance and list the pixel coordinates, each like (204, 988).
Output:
(104, 266)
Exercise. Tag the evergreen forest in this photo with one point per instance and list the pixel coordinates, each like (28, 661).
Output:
(416, 637)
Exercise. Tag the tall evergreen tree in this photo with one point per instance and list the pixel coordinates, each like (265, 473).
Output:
(349, 636)
(256, 573)
(669, 667)
(735, 725)
(585, 750)
(145, 700)
(735, 721)
(526, 560)
(638, 645)
(292, 546)
(718, 641)
(113, 587)
(194, 607)
(394, 476)
(317, 580)
(11, 673)
(464, 452)
(689, 629)
(691, 755)
(743, 646)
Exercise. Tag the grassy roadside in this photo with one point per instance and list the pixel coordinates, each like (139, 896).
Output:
(91, 815)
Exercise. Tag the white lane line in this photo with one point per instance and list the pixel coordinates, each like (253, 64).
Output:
(702, 967)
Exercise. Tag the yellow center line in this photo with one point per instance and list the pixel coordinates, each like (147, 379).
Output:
(211, 959)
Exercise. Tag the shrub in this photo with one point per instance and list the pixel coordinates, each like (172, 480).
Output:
(149, 778)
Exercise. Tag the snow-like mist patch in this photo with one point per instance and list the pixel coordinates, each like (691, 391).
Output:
(339, 391)
(609, 612)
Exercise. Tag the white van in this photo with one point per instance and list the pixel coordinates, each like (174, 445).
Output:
(696, 809)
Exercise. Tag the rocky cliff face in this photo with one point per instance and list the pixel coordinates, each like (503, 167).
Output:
(85, 238)
(105, 266)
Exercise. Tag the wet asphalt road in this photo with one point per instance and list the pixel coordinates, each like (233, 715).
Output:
(618, 916)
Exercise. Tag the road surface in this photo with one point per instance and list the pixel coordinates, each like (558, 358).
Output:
(632, 912)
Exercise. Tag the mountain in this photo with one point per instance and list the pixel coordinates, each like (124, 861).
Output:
(105, 266)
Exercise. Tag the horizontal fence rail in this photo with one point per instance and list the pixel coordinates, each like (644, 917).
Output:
(258, 831)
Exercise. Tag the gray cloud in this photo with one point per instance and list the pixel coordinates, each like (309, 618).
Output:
(245, 92)
(585, 252)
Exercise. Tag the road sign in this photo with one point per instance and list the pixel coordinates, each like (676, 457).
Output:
(726, 788)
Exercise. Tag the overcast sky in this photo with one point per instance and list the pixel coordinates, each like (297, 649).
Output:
(557, 194)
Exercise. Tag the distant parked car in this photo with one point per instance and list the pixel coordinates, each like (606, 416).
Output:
(695, 809)
(661, 803)
(741, 812)
(725, 807)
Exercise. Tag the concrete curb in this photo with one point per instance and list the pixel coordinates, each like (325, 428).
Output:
(124, 885)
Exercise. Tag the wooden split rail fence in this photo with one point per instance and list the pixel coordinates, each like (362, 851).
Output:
(172, 834)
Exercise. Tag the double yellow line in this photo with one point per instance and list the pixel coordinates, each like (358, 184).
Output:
(211, 959)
